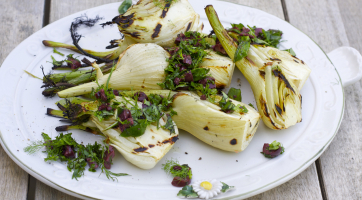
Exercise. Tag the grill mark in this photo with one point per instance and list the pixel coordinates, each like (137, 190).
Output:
(157, 31)
(282, 77)
(251, 61)
(273, 59)
(151, 145)
(124, 21)
(171, 140)
(278, 109)
(140, 149)
(188, 26)
(165, 10)
(296, 61)
(262, 74)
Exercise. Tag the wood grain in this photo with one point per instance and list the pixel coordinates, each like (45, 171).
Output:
(304, 186)
(19, 19)
(337, 23)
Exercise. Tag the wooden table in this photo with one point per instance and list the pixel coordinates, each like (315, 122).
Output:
(336, 174)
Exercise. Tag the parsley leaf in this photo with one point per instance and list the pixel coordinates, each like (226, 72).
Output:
(242, 50)
(235, 94)
(124, 6)
(290, 51)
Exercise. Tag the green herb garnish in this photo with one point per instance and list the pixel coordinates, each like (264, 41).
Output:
(290, 51)
(57, 52)
(169, 166)
(124, 6)
(235, 94)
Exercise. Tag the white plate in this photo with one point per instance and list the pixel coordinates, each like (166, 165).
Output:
(22, 117)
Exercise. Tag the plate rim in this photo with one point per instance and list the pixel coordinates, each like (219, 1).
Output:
(259, 190)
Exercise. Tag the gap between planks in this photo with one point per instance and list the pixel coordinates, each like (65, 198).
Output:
(31, 179)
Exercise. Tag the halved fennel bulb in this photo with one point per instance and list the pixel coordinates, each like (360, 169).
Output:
(143, 151)
(205, 120)
(147, 22)
(275, 78)
(142, 66)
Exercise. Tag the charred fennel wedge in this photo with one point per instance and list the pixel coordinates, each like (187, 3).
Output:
(218, 126)
(142, 134)
(142, 66)
(148, 22)
(274, 79)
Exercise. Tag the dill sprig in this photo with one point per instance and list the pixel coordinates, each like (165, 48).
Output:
(34, 147)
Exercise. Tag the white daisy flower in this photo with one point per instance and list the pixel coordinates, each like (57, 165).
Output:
(207, 189)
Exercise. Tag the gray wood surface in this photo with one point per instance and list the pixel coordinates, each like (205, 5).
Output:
(337, 23)
(19, 19)
(295, 189)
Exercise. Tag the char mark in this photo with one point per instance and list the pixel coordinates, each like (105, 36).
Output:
(124, 21)
(171, 140)
(165, 10)
(206, 128)
(278, 109)
(151, 145)
(157, 31)
(275, 59)
(262, 74)
(277, 73)
(62, 128)
(233, 141)
(140, 149)
(189, 26)
(296, 61)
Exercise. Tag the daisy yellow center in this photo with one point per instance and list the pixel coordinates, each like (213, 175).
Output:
(206, 185)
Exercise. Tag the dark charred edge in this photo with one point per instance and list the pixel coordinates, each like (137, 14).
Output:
(233, 141)
(62, 128)
(86, 61)
(140, 149)
(282, 77)
(283, 107)
(178, 95)
(171, 140)
(302, 62)
(188, 26)
(251, 124)
(262, 74)
(271, 121)
(264, 106)
(295, 61)
(124, 21)
(278, 109)
(111, 46)
(151, 145)
(206, 128)
(220, 85)
(106, 24)
(76, 37)
(275, 59)
(133, 34)
(157, 31)
(202, 27)
(49, 112)
(165, 10)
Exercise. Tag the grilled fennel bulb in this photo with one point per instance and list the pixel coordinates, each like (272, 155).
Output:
(275, 77)
(205, 120)
(142, 66)
(143, 151)
(147, 22)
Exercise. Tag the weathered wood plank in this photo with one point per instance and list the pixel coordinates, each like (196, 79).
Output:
(304, 186)
(332, 24)
(19, 19)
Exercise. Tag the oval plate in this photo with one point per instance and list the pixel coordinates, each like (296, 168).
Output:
(22, 117)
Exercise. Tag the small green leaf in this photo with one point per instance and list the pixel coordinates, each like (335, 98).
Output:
(187, 192)
(242, 50)
(235, 94)
(57, 52)
(274, 145)
(124, 6)
(290, 51)
(137, 130)
(226, 187)
(251, 105)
